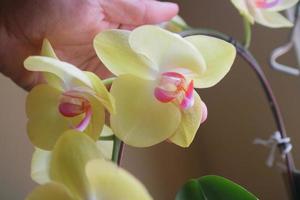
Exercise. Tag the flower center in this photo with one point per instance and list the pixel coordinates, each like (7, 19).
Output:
(72, 105)
(264, 4)
(173, 87)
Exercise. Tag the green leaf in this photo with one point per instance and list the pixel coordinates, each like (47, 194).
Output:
(213, 188)
(296, 189)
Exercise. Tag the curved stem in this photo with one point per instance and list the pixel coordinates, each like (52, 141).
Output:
(248, 57)
(247, 33)
(117, 151)
(107, 138)
(118, 145)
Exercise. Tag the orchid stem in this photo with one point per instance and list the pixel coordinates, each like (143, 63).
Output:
(118, 145)
(117, 151)
(277, 116)
(108, 81)
(107, 138)
(247, 32)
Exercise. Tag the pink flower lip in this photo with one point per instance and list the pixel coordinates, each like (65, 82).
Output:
(70, 110)
(188, 99)
(72, 105)
(173, 87)
(164, 95)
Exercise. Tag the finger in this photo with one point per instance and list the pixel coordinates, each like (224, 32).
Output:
(138, 12)
(127, 27)
(156, 12)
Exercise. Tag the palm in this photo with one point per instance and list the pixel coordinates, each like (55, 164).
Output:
(71, 25)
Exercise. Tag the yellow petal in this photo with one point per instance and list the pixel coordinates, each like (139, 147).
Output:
(113, 49)
(101, 92)
(40, 166)
(106, 146)
(108, 182)
(283, 5)
(242, 6)
(190, 122)
(271, 19)
(69, 74)
(48, 51)
(106, 131)
(70, 155)
(218, 55)
(140, 119)
(50, 191)
(98, 117)
(167, 51)
(45, 123)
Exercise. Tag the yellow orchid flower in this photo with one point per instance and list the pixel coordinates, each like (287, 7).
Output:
(157, 71)
(265, 12)
(76, 170)
(41, 158)
(71, 98)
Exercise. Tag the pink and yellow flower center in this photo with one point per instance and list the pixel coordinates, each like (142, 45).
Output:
(72, 105)
(173, 87)
(264, 4)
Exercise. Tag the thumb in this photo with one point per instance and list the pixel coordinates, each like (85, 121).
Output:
(156, 12)
(138, 12)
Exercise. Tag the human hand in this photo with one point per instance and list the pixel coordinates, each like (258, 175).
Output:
(70, 26)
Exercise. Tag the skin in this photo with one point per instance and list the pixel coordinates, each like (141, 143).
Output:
(70, 26)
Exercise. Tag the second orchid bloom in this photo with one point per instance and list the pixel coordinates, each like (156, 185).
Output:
(157, 72)
(70, 99)
(265, 12)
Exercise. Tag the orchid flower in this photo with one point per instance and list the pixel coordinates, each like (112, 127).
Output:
(265, 12)
(76, 170)
(70, 99)
(157, 72)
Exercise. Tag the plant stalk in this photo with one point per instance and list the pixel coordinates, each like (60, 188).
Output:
(247, 33)
(118, 145)
(277, 116)
(118, 148)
